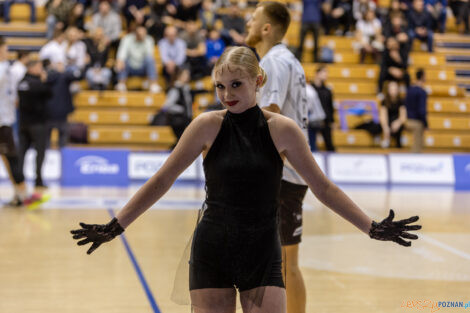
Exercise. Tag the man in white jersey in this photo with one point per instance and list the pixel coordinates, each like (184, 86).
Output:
(285, 93)
(8, 149)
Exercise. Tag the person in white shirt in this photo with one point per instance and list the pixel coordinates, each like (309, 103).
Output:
(285, 93)
(18, 70)
(76, 49)
(8, 150)
(55, 50)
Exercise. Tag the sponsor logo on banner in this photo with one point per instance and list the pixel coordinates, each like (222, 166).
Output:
(51, 167)
(355, 168)
(422, 169)
(144, 165)
(462, 171)
(94, 167)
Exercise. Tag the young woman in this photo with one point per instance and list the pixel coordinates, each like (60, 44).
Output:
(236, 244)
(392, 114)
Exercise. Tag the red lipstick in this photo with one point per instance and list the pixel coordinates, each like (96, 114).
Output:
(231, 103)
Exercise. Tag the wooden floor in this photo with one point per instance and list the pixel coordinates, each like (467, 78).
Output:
(42, 270)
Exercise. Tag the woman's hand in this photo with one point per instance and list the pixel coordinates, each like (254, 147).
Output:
(97, 234)
(388, 230)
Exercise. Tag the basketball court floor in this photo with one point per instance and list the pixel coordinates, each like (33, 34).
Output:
(43, 270)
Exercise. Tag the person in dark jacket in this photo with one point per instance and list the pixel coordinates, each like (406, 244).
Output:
(311, 22)
(60, 104)
(326, 99)
(33, 92)
(416, 102)
(420, 23)
(394, 65)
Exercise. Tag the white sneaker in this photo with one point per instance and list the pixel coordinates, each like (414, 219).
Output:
(145, 84)
(155, 88)
(120, 87)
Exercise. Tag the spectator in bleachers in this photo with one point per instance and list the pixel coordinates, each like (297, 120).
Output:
(60, 104)
(316, 115)
(326, 99)
(215, 47)
(58, 14)
(392, 115)
(33, 92)
(186, 10)
(394, 64)
(76, 49)
(311, 22)
(438, 11)
(97, 74)
(419, 24)
(234, 26)
(177, 111)
(195, 50)
(395, 27)
(172, 52)
(416, 108)
(108, 20)
(361, 7)
(337, 13)
(369, 36)
(77, 16)
(55, 49)
(159, 12)
(207, 14)
(136, 57)
(461, 11)
(134, 12)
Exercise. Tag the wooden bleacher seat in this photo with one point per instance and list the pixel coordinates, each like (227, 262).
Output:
(449, 122)
(110, 98)
(343, 87)
(441, 75)
(352, 138)
(155, 135)
(444, 90)
(113, 117)
(21, 12)
(205, 83)
(426, 59)
(448, 105)
(360, 71)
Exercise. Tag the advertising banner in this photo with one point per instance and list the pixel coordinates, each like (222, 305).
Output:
(358, 168)
(436, 169)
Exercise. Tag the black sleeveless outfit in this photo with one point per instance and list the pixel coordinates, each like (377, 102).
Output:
(236, 243)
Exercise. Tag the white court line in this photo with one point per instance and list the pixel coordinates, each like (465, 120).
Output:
(445, 247)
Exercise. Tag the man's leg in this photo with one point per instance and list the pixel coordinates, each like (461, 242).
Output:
(417, 128)
(39, 133)
(290, 230)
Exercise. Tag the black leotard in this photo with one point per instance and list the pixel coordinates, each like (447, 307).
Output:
(237, 243)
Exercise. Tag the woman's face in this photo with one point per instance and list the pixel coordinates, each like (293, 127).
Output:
(235, 88)
(393, 89)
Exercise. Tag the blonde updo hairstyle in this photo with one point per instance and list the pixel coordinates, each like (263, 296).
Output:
(240, 58)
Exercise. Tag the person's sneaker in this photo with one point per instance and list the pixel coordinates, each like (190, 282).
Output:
(145, 84)
(14, 203)
(121, 87)
(40, 184)
(155, 88)
(35, 197)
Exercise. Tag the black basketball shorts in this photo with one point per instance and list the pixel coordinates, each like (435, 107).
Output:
(290, 212)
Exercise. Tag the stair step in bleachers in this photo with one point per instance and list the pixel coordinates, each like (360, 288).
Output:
(449, 123)
(155, 135)
(21, 29)
(31, 44)
(119, 99)
(448, 105)
(113, 117)
(21, 12)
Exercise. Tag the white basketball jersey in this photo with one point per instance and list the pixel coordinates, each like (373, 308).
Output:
(286, 87)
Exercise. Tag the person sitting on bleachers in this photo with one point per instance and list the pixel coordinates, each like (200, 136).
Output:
(394, 64)
(392, 115)
(419, 23)
(160, 10)
(369, 36)
(215, 47)
(97, 74)
(395, 27)
(172, 52)
(58, 14)
(195, 50)
(18, 70)
(77, 16)
(108, 20)
(134, 12)
(461, 11)
(416, 108)
(55, 49)
(234, 26)
(186, 10)
(336, 13)
(76, 49)
(360, 8)
(207, 15)
(136, 57)
(438, 11)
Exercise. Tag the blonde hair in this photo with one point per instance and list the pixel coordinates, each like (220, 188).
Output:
(240, 57)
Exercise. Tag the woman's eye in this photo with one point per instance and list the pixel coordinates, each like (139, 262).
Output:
(236, 84)
(219, 86)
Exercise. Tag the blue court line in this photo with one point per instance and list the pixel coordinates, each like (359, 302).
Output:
(142, 279)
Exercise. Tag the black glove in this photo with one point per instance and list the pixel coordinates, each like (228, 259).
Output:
(393, 231)
(97, 234)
